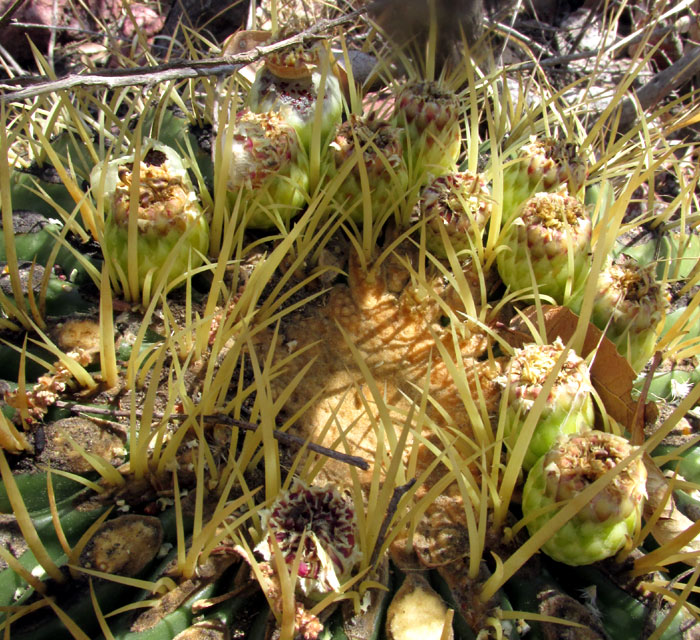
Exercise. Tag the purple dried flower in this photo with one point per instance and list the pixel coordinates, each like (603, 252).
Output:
(319, 524)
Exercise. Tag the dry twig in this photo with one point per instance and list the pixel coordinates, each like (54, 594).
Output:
(176, 70)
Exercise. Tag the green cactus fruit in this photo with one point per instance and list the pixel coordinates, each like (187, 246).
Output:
(377, 145)
(553, 235)
(569, 407)
(429, 114)
(606, 523)
(460, 203)
(267, 163)
(630, 306)
(290, 83)
(170, 217)
(318, 523)
(542, 165)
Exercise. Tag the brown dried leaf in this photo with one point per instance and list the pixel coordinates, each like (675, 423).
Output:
(611, 374)
(671, 523)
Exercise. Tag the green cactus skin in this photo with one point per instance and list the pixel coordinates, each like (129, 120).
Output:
(606, 524)
(553, 234)
(168, 211)
(460, 203)
(542, 165)
(269, 166)
(630, 305)
(429, 114)
(289, 84)
(569, 407)
(382, 155)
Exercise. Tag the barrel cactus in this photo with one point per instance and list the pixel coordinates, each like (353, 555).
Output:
(569, 406)
(460, 204)
(430, 115)
(543, 164)
(171, 225)
(608, 521)
(330, 432)
(548, 246)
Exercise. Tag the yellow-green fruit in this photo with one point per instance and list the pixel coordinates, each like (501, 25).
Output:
(170, 222)
(429, 115)
(541, 165)
(290, 83)
(266, 167)
(606, 523)
(460, 204)
(549, 242)
(569, 406)
(630, 306)
(373, 146)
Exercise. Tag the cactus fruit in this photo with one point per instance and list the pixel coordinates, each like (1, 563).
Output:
(458, 202)
(377, 145)
(607, 522)
(268, 165)
(542, 165)
(429, 114)
(569, 407)
(630, 305)
(170, 217)
(553, 236)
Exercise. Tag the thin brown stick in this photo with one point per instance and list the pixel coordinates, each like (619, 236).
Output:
(176, 70)
(638, 420)
(285, 438)
(391, 510)
(661, 85)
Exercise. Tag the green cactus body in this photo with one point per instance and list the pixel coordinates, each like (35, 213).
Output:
(553, 235)
(569, 407)
(269, 166)
(630, 306)
(170, 218)
(289, 83)
(429, 115)
(606, 524)
(381, 152)
(541, 165)
(458, 202)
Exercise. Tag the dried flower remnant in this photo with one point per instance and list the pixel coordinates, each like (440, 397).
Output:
(630, 305)
(606, 523)
(569, 406)
(553, 237)
(542, 165)
(170, 218)
(318, 524)
(290, 83)
(47, 390)
(458, 202)
(266, 162)
(377, 145)
(429, 113)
